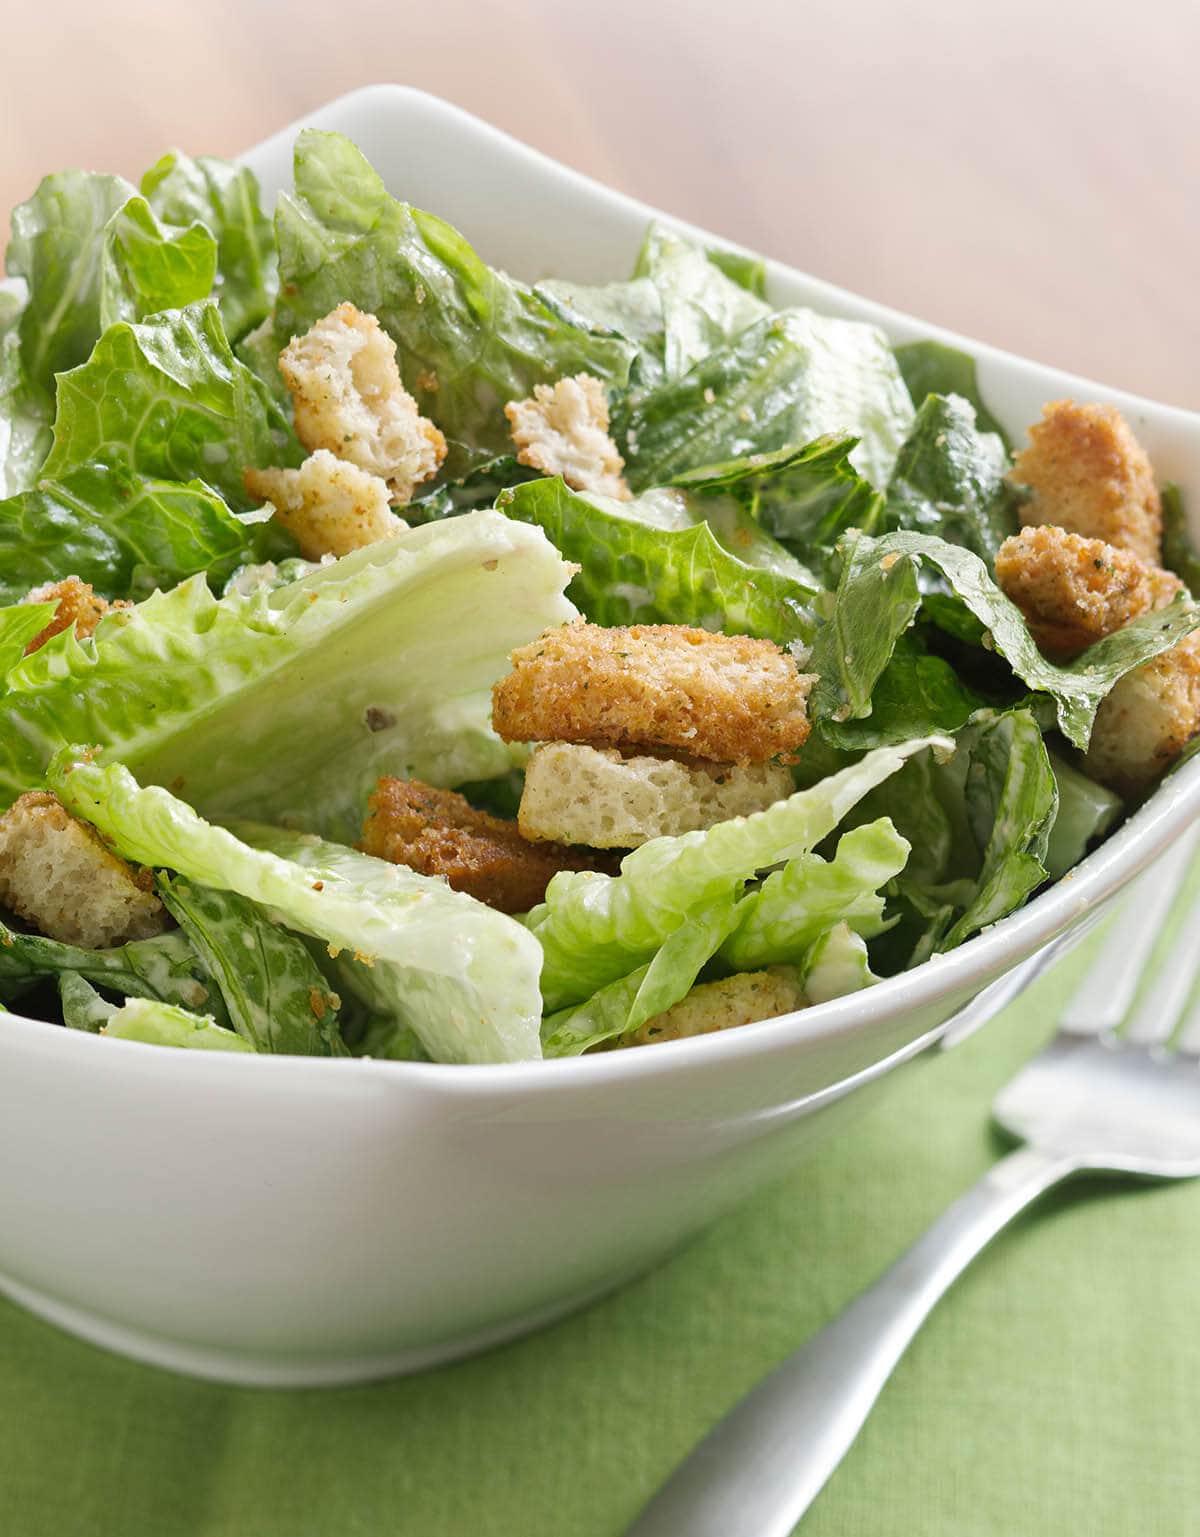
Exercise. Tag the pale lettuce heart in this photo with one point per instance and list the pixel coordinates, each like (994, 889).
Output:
(463, 977)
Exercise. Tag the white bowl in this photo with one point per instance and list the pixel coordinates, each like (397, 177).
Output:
(285, 1220)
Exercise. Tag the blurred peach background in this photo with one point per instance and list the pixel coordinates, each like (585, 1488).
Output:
(1026, 173)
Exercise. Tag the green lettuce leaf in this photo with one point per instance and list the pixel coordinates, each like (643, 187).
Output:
(702, 309)
(163, 1024)
(626, 1004)
(878, 598)
(469, 338)
(656, 560)
(287, 705)
(463, 976)
(596, 928)
(1179, 552)
(167, 398)
(631, 310)
(778, 923)
(18, 626)
(838, 963)
(25, 417)
(148, 267)
(785, 380)
(225, 199)
(165, 967)
(949, 480)
(275, 996)
(933, 368)
(916, 693)
(83, 1008)
(1086, 812)
(122, 532)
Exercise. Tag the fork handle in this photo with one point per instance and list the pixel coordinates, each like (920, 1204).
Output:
(761, 1467)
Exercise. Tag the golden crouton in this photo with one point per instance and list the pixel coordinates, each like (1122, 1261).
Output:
(1088, 473)
(730, 699)
(1074, 591)
(562, 429)
(328, 505)
(348, 398)
(738, 1000)
(438, 832)
(1147, 719)
(78, 605)
(595, 796)
(57, 875)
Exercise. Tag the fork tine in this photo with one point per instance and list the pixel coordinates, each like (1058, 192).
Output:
(1157, 1016)
(1106, 994)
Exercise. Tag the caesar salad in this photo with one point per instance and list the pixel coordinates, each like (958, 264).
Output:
(401, 660)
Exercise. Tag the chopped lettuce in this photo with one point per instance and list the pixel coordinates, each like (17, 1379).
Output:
(167, 398)
(702, 308)
(224, 198)
(949, 480)
(469, 338)
(838, 963)
(287, 705)
(784, 381)
(463, 977)
(83, 1008)
(1179, 551)
(778, 923)
(1086, 811)
(164, 1024)
(596, 928)
(658, 560)
(916, 692)
(124, 533)
(878, 598)
(149, 267)
(933, 368)
(275, 996)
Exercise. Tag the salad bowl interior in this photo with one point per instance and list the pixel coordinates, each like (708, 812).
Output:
(212, 1213)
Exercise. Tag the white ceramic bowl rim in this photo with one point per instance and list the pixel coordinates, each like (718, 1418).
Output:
(1140, 840)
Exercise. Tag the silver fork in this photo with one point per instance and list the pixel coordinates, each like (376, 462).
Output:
(1091, 1102)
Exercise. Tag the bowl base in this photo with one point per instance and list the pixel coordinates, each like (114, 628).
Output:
(248, 1370)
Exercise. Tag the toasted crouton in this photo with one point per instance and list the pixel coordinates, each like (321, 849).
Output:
(439, 832)
(78, 605)
(595, 796)
(349, 399)
(562, 429)
(1147, 719)
(1074, 591)
(57, 875)
(738, 1000)
(730, 699)
(329, 506)
(1089, 474)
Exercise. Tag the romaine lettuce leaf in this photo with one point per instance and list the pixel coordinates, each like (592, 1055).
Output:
(124, 533)
(288, 705)
(469, 338)
(163, 1024)
(632, 310)
(932, 368)
(917, 692)
(785, 380)
(225, 199)
(274, 994)
(148, 267)
(596, 928)
(165, 967)
(83, 1008)
(18, 626)
(167, 398)
(463, 976)
(626, 1004)
(702, 309)
(949, 480)
(1179, 551)
(1086, 811)
(778, 923)
(878, 597)
(838, 963)
(25, 416)
(656, 560)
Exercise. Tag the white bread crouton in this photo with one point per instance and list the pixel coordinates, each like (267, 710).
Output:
(1147, 719)
(348, 398)
(1089, 474)
(1075, 591)
(562, 429)
(328, 505)
(741, 999)
(57, 875)
(594, 796)
(78, 605)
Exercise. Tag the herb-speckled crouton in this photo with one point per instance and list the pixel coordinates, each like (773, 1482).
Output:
(328, 505)
(562, 429)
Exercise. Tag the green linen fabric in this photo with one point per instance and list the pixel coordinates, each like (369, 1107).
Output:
(1056, 1391)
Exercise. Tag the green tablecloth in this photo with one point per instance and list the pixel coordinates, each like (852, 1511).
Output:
(1056, 1393)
